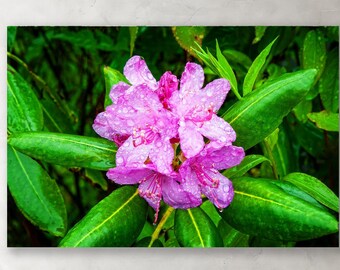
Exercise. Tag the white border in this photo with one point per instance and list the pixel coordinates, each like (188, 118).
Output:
(157, 12)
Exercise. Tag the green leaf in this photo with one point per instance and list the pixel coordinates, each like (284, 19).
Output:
(111, 77)
(35, 193)
(186, 37)
(315, 188)
(258, 114)
(194, 228)
(232, 237)
(24, 112)
(227, 71)
(146, 241)
(302, 109)
(255, 69)
(66, 150)
(259, 32)
(247, 163)
(115, 221)
(238, 57)
(263, 209)
(314, 52)
(133, 36)
(171, 242)
(329, 83)
(96, 178)
(11, 33)
(325, 120)
(211, 211)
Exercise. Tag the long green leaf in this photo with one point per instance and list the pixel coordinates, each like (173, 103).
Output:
(232, 237)
(261, 112)
(247, 163)
(35, 193)
(116, 221)
(314, 52)
(133, 36)
(263, 209)
(315, 188)
(66, 150)
(24, 112)
(329, 82)
(193, 228)
(255, 69)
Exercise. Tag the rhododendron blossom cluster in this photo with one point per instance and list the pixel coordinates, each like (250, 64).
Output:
(171, 141)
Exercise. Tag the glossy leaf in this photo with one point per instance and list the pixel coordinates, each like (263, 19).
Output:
(258, 114)
(24, 112)
(66, 150)
(11, 33)
(315, 188)
(35, 193)
(237, 57)
(194, 228)
(186, 37)
(247, 163)
(232, 237)
(211, 211)
(325, 120)
(314, 52)
(255, 69)
(329, 83)
(111, 77)
(271, 213)
(115, 221)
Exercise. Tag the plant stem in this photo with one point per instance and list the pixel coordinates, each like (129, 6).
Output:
(158, 229)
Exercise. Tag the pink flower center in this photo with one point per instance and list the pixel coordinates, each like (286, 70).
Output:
(145, 135)
(200, 114)
(204, 178)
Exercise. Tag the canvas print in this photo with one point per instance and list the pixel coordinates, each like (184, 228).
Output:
(179, 136)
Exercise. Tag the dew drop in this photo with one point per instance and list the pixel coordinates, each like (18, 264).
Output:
(220, 210)
(209, 93)
(158, 144)
(119, 160)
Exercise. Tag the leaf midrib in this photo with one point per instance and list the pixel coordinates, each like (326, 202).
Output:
(196, 227)
(107, 219)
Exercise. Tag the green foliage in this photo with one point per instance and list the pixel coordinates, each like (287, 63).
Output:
(59, 79)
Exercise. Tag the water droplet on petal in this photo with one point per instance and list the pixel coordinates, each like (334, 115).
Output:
(220, 210)
(119, 160)
(158, 144)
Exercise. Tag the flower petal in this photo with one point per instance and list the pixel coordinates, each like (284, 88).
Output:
(132, 156)
(189, 182)
(161, 155)
(190, 139)
(175, 196)
(151, 191)
(127, 176)
(217, 129)
(137, 72)
(101, 126)
(192, 78)
(168, 84)
(221, 196)
(215, 93)
(118, 90)
(223, 158)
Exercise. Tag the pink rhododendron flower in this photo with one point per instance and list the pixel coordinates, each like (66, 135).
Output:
(200, 173)
(196, 109)
(149, 119)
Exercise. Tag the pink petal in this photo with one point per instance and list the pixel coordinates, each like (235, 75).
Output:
(137, 72)
(127, 176)
(102, 127)
(151, 191)
(191, 140)
(118, 90)
(168, 84)
(218, 129)
(129, 155)
(175, 196)
(223, 158)
(192, 78)
(215, 93)
(189, 182)
(161, 155)
(223, 194)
